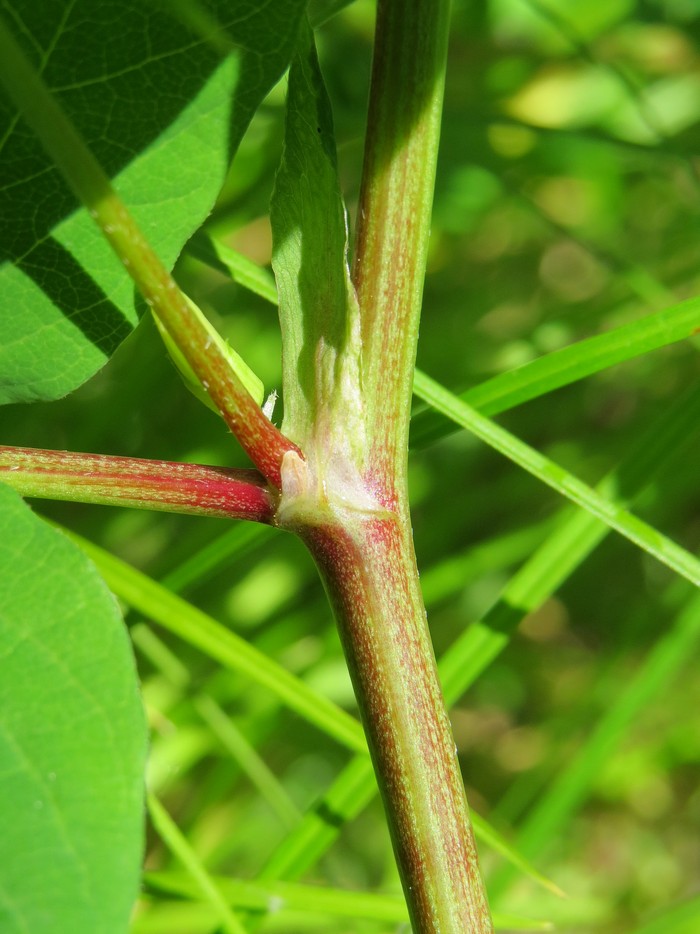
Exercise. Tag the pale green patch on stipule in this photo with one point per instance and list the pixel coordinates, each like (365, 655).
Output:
(238, 365)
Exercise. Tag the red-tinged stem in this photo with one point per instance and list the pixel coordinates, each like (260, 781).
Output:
(366, 559)
(144, 484)
(264, 443)
(368, 567)
(361, 537)
(393, 218)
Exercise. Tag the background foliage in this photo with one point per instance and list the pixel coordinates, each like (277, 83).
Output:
(567, 204)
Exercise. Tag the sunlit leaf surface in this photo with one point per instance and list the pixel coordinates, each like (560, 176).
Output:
(72, 738)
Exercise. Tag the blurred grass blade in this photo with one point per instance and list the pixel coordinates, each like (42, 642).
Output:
(574, 538)
(208, 249)
(572, 785)
(636, 530)
(244, 753)
(243, 538)
(511, 922)
(177, 843)
(184, 620)
(289, 896)
(180, 917)
(564, 366)
(487, 835)
(314, 899)
(452, 574)
(354, 788)
(576, 535)
(221, 725)
(174, 917)
(249, 379)
(683, 918)
(553, 562)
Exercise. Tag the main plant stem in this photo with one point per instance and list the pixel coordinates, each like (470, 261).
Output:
(369, 570)
(394, 215)
(361, 538)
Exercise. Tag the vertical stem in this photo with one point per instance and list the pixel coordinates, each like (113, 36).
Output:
(401, 145)
(372, 582)
(367, 558)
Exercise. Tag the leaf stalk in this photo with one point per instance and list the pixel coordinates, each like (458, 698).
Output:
(166, 486)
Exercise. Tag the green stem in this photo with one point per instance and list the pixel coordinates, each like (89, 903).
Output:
(361, 538)
(262, 441)
(369, 570)
(192, 489)
(393, 225)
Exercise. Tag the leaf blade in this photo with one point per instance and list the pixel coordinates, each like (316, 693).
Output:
(155, 106)
(72, 737)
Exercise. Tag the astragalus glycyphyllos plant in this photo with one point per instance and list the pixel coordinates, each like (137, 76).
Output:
(146, 168)
(336, 474)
